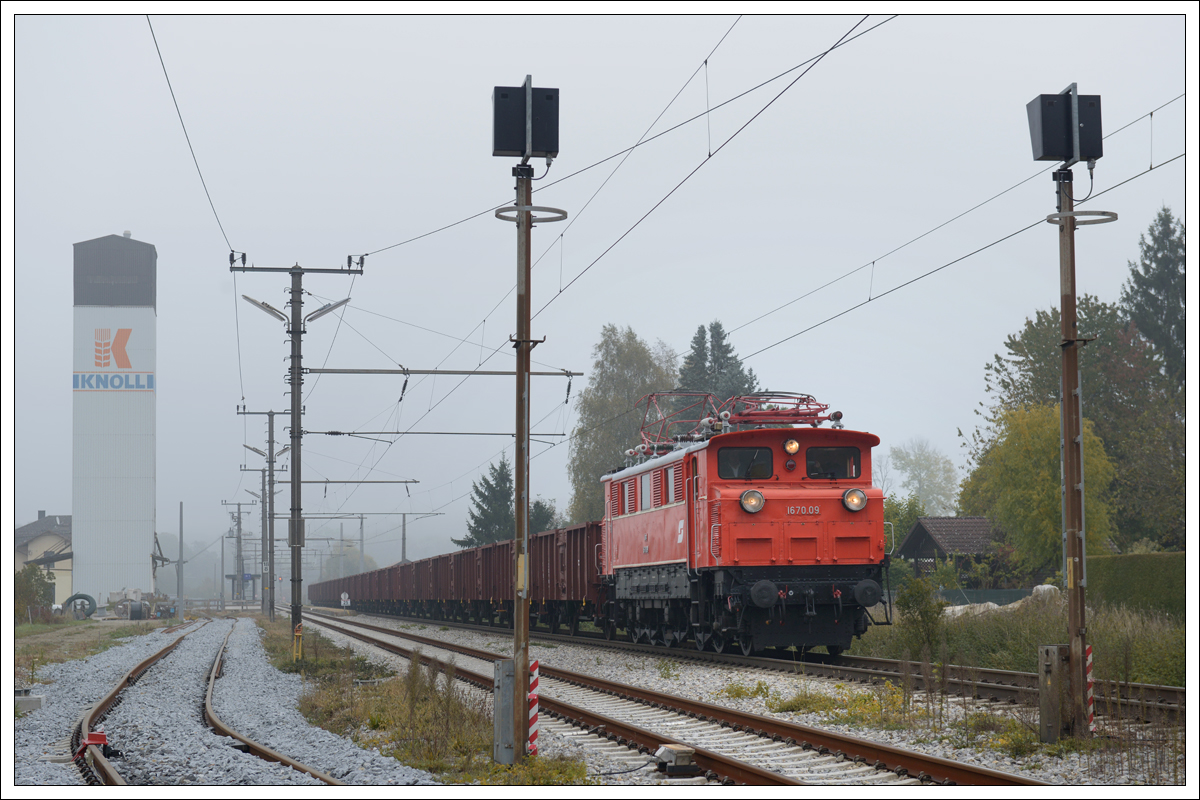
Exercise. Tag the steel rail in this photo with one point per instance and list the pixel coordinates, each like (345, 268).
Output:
(91, 761)
(1141, 699)
(883, 757)
(252, 747)
(618, 731)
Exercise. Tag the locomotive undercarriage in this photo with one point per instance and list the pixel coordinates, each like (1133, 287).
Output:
(748, 609)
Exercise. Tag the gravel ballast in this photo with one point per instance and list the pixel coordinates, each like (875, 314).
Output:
(705, 682)
(259, 702)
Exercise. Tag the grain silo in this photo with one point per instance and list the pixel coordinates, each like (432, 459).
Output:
(113, 455)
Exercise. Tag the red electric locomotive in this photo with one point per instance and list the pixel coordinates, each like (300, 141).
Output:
(736, 529)
(745, 525)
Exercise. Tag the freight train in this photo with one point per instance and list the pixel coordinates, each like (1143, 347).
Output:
(737, 526)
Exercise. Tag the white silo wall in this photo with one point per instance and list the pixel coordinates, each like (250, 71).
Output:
(113, 452)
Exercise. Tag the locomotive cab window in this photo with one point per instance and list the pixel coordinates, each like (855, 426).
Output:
(834, 463)
(745, 463)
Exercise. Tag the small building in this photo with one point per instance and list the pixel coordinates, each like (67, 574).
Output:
(935, 539)
(47, 543)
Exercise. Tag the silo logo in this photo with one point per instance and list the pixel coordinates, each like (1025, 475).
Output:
(108, 347)
(110, 353)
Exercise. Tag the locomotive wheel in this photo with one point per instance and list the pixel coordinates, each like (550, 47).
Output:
(701, 640)
(573, 625)
(610, 630)
(720, 642)
(834, 650)
(666, 636)
(746, 641)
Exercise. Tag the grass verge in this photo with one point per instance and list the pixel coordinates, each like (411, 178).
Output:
(424, 718)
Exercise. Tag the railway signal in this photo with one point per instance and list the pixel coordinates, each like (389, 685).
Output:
(525, 124)
(1067, 126)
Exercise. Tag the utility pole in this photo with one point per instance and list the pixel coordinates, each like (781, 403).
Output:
(239, 588)
(268, 509)
(179, 566)
(296, 381)
(362, 558)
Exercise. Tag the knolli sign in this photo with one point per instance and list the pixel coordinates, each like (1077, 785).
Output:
(110, 351)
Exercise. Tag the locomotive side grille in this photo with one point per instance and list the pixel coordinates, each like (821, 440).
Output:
(678, 481)
(714, 536)
(614, 503)
(658, 488)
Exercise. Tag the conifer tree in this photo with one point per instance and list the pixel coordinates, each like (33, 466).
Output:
(1154, 297)
(491, 517)
(712, 366)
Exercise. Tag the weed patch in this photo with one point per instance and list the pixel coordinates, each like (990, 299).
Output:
(740, 691)
(423, 718)
(668, 670)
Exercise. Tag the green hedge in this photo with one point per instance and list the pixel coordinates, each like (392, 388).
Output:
(1144, 581)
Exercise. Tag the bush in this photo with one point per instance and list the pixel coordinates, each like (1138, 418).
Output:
(920, 611)
(1142, 581)
(33, 592)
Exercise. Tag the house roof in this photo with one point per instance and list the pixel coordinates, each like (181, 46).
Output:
(965, 535)
(58, 524)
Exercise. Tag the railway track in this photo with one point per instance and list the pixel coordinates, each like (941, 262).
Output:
(94, 756)
(1139, 701)
(730, 745)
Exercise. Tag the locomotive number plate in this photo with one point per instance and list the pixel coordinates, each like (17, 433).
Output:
(804, 510)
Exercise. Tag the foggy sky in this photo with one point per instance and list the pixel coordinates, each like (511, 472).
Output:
(320, 137)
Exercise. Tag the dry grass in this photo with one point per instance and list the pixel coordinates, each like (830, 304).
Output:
(40, 645)
(424, 718)
(1137, 646)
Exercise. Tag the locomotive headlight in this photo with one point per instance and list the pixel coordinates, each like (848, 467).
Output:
(855, 499)
(753, 501)
(791, 447)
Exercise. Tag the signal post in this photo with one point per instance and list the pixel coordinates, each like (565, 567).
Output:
(1067, 127)
(524, 124)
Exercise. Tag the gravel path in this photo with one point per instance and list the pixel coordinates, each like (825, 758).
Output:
(706, 682)
(259, 702)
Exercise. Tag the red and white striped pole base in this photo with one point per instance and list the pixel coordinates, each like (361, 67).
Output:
(1091, 698)
(532, 748)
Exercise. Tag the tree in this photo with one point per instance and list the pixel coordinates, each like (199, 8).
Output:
(33, 588)
(543, 516)
(491, 517)
(1136, 413)
(625, 370)
(881, 473)
(1118, 366)
(1016, 484)
(1154, 296)
(902, 513)
(712, 366)
(343, 560)
(928, 474)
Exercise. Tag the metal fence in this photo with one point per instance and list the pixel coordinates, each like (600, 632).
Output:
(1001, 597)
